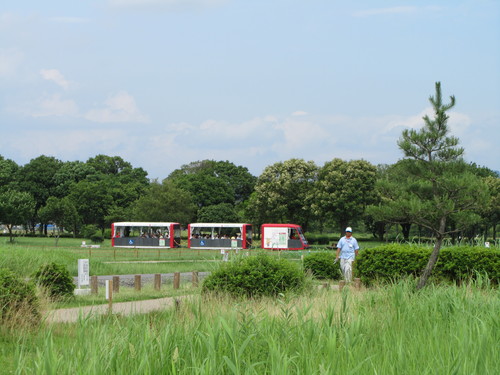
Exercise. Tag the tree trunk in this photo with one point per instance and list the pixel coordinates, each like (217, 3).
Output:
(405, 227)
(434, 255)
(11, 238)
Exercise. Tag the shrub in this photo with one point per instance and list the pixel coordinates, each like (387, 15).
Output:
(55, 279)
(18, 301)
(88, 230)
(255, 276)
(457, 263)
(322, 265)
(97, 237)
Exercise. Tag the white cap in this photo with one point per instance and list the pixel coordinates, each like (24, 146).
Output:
(348, 229)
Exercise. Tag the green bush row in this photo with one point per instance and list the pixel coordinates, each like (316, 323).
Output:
(457, 263)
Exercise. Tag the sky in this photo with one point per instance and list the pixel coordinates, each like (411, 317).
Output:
(162, 83)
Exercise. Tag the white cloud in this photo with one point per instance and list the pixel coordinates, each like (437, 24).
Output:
(120, 107)
(458, 122)
(55, 76)
(299, 113)
(54, 105)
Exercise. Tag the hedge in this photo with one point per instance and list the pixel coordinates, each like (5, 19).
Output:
(457, 263)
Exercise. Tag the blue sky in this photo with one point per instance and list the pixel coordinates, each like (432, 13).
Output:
(163, 83)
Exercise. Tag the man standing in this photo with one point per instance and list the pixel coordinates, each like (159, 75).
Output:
(347, 251)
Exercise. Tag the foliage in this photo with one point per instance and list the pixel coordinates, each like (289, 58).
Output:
(165, 202)
(343, 190)
(281, 193)
(439, 187)
(15, 209)
(389, 330)
(37, 178)
(322, 265)
(8, 170)
(55, 279)
(255, 276)
(60, 212)
(391, 262)
(218, 213)
(18, 300)
(491, 212)
(213, 182)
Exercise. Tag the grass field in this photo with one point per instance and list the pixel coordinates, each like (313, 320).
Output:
(27, 254)
(386, 330)
(389, 329)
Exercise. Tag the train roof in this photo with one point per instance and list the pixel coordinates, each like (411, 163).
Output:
(217, 225)
(143, 224)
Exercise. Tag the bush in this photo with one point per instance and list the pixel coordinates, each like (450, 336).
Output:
(55, 279)
(18, 301)
(322, 265)
(88, 230)
(255, 276)
(97, 237)
(390, 262)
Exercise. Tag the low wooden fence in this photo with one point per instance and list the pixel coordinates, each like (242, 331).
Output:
(157, 282)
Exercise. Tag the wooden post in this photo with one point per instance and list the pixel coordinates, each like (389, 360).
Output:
(194, 279)
(116, 284)
(137, 282)
(93, 284)
(157, 281)
(177, 280)
(357, 283)
(341, 285)
(110, 300)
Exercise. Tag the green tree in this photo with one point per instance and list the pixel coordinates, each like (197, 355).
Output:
(440, 187)
(37, 178)
(165, 202)
(93, 201)
(61, 212)
(69, 174)
(343, 190)
(213, 182)
(218, 213)
(16, 208)
(491, 212)
(282, 190)
(389, 187)
(8, 170)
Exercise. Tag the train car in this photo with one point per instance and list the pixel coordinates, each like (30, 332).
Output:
(219, 236)
(132, 234)
(283, 237)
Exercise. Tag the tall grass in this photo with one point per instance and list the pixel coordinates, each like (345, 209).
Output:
(391, 330)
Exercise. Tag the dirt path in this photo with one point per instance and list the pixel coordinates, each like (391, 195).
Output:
(72, 315)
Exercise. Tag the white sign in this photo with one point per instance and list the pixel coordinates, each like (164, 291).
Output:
(83, 272)
(107, 290)
(275, 238)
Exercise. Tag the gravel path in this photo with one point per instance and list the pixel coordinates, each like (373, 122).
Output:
(72, 315)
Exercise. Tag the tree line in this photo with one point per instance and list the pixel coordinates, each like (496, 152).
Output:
(430, 183)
